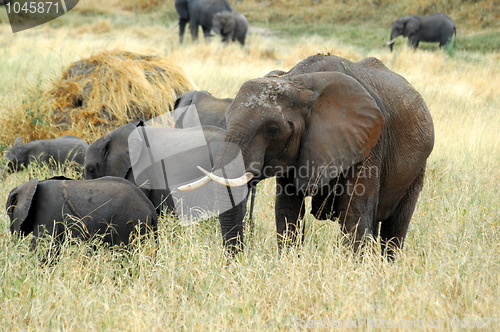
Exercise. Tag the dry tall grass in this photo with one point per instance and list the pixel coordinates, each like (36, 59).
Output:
(446, 277)
(97, 94)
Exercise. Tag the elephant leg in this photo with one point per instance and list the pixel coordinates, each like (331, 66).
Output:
(445, 42)
(357, 207)
(193, 27)
(413, 42)
(206, 32)
(289, 211)
(182, 29)
(241, 40)
(393, 230)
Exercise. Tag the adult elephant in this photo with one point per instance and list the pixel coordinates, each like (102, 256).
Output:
(198, 12)
(433, 28)
(353, 135)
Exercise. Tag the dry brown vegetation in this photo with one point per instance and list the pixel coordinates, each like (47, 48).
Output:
(97, 94)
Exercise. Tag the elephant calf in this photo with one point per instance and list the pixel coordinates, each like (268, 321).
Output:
(231, 26)
(60, 150)
(109, 207)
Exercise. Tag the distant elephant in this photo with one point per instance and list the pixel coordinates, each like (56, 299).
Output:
(433, 28)
(198, 12)
(60, 150)
(354, 136)
(210, 110)
(231, 26)
(111, 156)
(109, 207)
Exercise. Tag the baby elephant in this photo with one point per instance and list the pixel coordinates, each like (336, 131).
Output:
(109, 207)
(231, 26)
(60, 150)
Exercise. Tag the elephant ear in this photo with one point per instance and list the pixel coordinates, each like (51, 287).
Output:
(18, 206)
(411, 26)
(343, 125)
(103, 145)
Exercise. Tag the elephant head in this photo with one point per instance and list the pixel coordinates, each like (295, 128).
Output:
(307, 127)
(109, 156)
(16, 156)
(404, 26)
(223, 23)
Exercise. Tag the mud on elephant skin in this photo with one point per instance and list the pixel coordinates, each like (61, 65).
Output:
(437, 28)
(232, 26)
(324, 129)
(58, 150)
(80, 208)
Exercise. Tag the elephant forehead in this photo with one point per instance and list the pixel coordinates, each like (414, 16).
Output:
(264, 94)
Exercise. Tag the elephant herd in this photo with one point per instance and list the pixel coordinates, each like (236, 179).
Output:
(353, 136)
(217, 15)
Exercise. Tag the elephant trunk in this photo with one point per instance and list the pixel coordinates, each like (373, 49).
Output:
(231, 223)
(231, 200)
(394, 35)
(230, 192)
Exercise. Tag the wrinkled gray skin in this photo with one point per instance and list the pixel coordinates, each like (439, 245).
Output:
(198, 12)
(108, 206)
(354, 136)
(110, 156)
(61, 150)
(210, 110)
(437, 28)
(231, 26)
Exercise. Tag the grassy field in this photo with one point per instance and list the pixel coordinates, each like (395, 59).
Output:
(446, 277)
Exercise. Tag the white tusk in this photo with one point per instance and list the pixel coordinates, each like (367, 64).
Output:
(196, 184)
(242, 180)
(391, 41)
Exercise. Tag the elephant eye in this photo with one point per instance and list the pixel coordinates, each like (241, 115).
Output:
(272, 130)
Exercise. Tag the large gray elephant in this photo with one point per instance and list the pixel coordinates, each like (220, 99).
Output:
(433, 28)
(198, 12)
(353, 135)
(156, 174)
(58, 150)
(210, 111)
(109, 207)
(231, 26)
